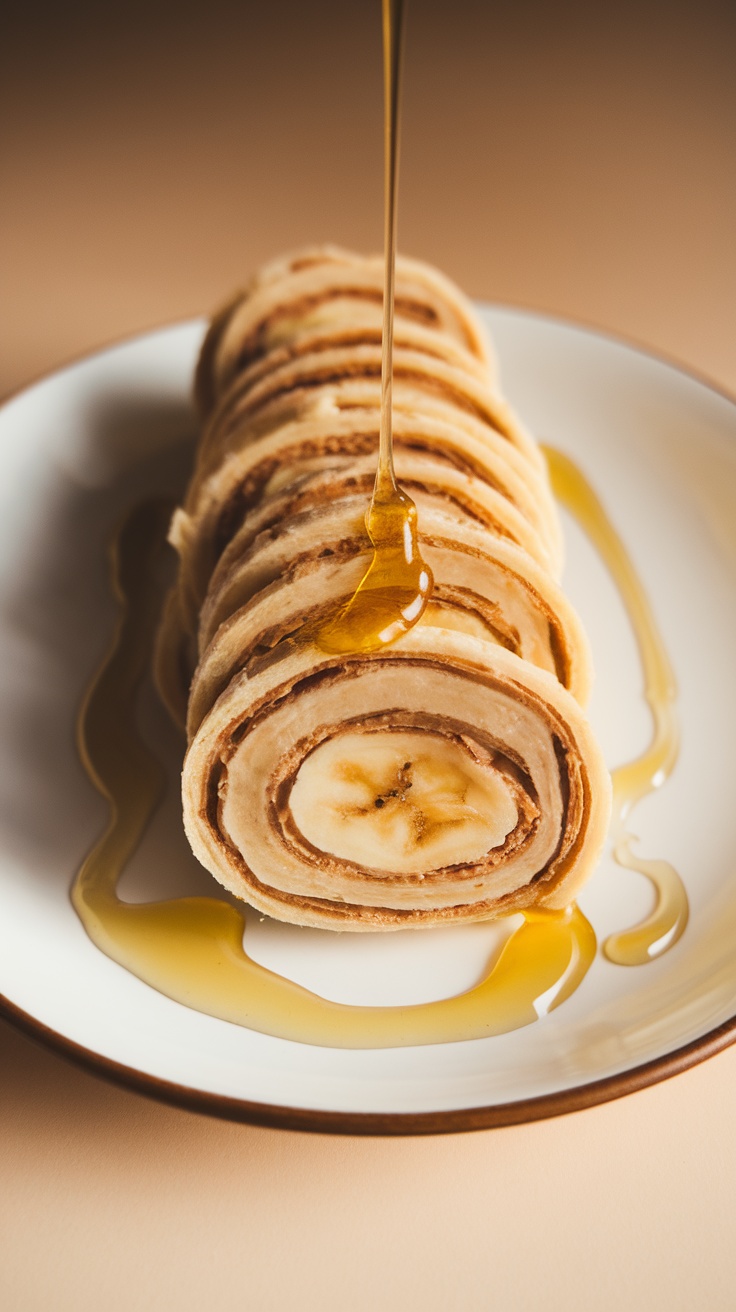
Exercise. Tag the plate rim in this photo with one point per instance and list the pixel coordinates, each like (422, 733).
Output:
(589, 326)
(381, 1124)
(375, 1124)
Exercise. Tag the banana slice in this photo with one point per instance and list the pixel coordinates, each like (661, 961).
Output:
(398, 801)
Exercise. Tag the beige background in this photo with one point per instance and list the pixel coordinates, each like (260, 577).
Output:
(575, 159)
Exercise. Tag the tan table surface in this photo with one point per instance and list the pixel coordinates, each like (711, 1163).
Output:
(579, 160)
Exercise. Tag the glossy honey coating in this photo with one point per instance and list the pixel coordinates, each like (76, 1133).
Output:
(468, 804)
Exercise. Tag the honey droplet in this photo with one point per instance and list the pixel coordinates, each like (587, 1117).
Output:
(394, 591)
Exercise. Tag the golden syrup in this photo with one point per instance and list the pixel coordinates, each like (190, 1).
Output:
(191, 948)
(633, 781)
(394, 591)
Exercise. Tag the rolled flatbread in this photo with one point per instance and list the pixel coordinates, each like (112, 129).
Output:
(452, 775)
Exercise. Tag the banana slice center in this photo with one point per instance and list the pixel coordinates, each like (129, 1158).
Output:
(406, 802)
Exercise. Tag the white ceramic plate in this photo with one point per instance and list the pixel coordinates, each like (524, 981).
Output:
(80, 447)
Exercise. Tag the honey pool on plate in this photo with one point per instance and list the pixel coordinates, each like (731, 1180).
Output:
(191, 949)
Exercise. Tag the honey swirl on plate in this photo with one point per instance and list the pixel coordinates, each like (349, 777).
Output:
(191, 948)
(394, 591)
(633, 781)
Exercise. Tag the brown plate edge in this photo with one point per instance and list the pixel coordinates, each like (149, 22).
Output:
(386, 1124)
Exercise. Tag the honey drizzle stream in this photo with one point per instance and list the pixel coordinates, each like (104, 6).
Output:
(633, 781)
(191, 948)
(394, 591)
